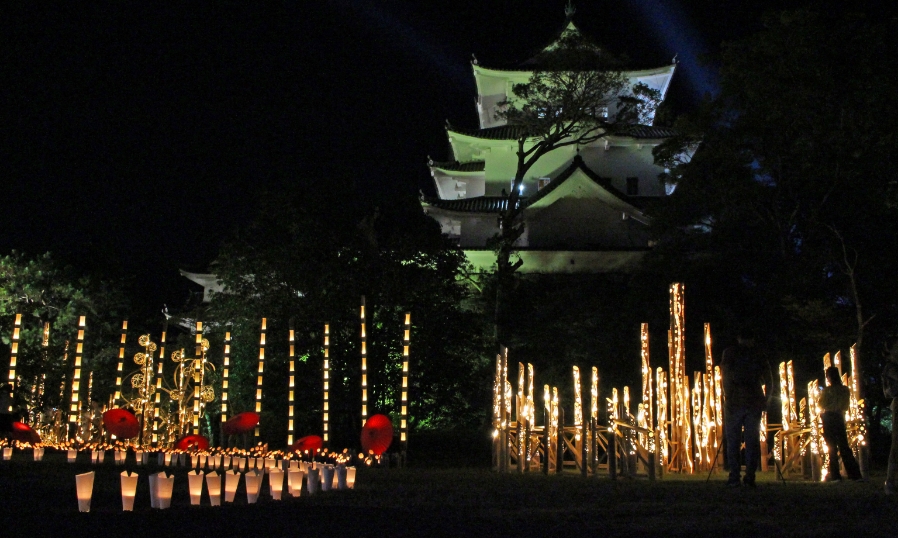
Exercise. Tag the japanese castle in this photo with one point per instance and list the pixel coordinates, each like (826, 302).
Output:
(583, 205)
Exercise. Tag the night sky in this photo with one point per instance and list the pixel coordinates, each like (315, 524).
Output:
(136, 136)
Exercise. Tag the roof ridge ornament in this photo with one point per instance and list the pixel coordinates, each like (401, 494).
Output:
(474, 59)
(569, 9)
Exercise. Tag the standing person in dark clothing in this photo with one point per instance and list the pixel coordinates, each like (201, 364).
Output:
(890, 391)
(834, 401)
(744, 373)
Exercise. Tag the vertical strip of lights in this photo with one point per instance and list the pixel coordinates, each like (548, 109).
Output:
(261, 372)
(121, 360)
(646, 377)
(364, 365)
(291, 384)
(326, 373)
(158, 395)
(75, 407)
(403, 424)
(197, 377)
(225, 371)
(13, 358)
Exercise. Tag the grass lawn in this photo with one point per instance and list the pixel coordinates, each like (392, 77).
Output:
(38, 499)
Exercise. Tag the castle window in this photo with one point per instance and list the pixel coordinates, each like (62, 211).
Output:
(632, 186)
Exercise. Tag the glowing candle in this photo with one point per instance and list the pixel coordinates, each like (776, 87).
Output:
(276, 483)
(195, 485)
(84, 486)
(232, 480)
(213, 486)
(253, 481)
(129, 490)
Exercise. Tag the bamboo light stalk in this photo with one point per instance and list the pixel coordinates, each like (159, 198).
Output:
(364, 364)
(520, 413)
(529, 415)
(121, 359)
(197, 377)
(13, 357)
(646, 376)
(403, 424)
(662, 424)
(75, 406)
(504, 405)
(326, 372)
(261, 372)
(679, 385)
(594, 418)
(224, 379)
(158, 395)
(291, 385)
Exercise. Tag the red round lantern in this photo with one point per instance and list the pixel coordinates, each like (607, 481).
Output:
(121, 423)
(24, 433)
(240, 423)
(377, 435)
(312, 443)
(192, 442)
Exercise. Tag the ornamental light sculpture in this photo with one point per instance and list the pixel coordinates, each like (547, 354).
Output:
(144, 389)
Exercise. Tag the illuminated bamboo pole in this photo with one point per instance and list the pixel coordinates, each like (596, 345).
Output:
(158, 395)
(547, 428)
(146, 411)
(520, 415)
(529, 415)
(579, 423)
(326, 373)
(13, 358)
(504, 405)
(225, 372)
(827, 363)
(679, 423)
(817, 444)
(557, 432)
(763, 436)
(45, 344)
(403, 424)
(75, 405)
(837, 361)
(364, 356)
(712, 434)
(119, 373)
(662, 428)
(291, 385)
(857, 414)
(701, 440)
(261, 373)
(594, 418)
(646, 377)
(197, 377)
